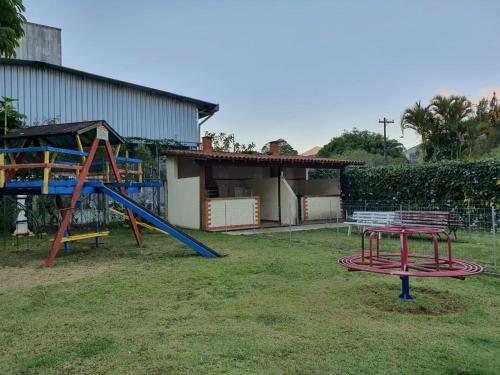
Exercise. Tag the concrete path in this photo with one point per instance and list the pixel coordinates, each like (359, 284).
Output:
(294, 228)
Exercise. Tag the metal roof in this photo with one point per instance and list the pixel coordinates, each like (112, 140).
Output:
(257, 159)
(63, 135)
(204, 108)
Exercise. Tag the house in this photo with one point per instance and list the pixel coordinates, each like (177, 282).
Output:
(412, 153)
(218, 191)
(311, 152)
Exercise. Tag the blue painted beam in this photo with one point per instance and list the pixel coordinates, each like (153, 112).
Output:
(66, 187)
(42, 149)
(122, 160)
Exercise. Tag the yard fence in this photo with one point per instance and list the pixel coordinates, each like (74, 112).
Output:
(475, 226)
(475, 232)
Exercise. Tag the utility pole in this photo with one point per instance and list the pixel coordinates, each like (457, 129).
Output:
(385, 122)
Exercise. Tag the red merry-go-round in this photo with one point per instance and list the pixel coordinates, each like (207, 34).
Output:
(404, 263)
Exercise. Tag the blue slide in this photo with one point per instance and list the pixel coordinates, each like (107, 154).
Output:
(158, 222)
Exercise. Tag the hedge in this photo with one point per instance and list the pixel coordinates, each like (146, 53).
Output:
(454, 182)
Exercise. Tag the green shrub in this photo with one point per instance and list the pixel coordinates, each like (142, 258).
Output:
(453, 182)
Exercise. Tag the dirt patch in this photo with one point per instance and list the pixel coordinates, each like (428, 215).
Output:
(427, 301)
(34, 275)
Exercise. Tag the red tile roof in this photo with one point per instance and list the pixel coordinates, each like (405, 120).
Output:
(311, 152)
(303, 161)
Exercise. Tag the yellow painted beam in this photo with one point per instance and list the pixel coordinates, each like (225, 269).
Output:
(46, 172)
(139, 172)
(140, 223)
(79, 237)
(2, 171)
(80, 147)
(107, 172)
(117, 150)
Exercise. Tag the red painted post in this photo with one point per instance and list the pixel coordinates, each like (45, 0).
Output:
(68, 213)
(118, 178)
(363, 246)
(404, 250)
(436, 249)
(378, 246)
(449, 248)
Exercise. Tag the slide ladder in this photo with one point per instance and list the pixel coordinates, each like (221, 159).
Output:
(158, 222)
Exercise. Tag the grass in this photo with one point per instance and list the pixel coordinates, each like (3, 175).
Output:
(272, 306)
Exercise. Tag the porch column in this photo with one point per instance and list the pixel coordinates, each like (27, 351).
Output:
(203, 212)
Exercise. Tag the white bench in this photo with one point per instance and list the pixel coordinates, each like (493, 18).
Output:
(371, 219)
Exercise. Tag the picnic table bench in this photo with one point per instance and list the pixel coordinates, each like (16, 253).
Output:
(371, 219)
(431, 219)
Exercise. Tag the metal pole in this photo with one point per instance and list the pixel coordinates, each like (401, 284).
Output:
(493, 231)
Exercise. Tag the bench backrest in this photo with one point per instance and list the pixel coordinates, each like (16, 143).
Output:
(374, 217)
(443, 219)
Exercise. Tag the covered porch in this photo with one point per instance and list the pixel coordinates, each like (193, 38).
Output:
(241, 191)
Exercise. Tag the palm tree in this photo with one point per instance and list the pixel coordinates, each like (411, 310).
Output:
(420, 119)
(452, 113)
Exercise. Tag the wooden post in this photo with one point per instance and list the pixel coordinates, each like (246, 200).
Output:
(139, 173)
(118, 178)
(107, 172)
(80, 147)
(202, 197)
(68, 212)
(2, 171)
(46, 172)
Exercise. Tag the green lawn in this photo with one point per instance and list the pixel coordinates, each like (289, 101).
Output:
(271, 306)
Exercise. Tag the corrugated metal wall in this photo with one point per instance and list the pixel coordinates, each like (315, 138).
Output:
(46, 94)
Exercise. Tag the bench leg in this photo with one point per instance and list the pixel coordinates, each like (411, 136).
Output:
(349, 230)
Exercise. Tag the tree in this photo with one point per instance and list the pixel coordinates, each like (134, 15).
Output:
(370, 142)
(10, 117)
(11, 26)
(451, 129)
(420, 119)
(451, 114)
(285, 148)
(223, 142)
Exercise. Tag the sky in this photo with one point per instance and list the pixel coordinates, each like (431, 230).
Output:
(303, 70)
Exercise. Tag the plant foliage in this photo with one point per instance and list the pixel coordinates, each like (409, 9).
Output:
(10, 118)
(363, 145)
(452, 130)
(223, 142)
(445, 182)
(11, 26)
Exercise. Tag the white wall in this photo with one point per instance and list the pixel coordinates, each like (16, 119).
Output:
(232, 213)
(320, 208)
(267, 190)
(289, 203)
(183, 197)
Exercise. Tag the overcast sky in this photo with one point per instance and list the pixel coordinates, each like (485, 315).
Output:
(300, 70)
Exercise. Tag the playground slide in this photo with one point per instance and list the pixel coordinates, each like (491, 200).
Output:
(159, 222)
